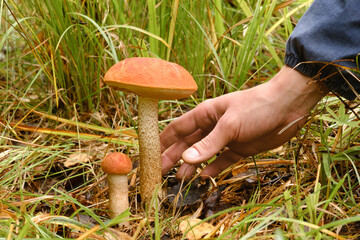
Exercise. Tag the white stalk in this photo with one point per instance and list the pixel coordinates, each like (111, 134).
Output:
(118, 194)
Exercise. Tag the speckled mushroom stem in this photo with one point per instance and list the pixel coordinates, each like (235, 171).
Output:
(118, 194)
(150, 149)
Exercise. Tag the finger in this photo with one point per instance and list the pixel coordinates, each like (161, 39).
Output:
(222, 162)
(207, 147)
(186, 171)
(237, 151)
(173, 154)
(204, 116)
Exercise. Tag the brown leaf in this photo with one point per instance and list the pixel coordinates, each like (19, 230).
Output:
(76, 158)
(195, 232)
(117, 235)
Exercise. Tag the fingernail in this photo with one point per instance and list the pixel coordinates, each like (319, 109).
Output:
(191, 154)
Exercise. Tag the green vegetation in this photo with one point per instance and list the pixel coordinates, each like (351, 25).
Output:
(58, 120)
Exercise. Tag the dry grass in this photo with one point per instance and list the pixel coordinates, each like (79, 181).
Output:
(53, 137)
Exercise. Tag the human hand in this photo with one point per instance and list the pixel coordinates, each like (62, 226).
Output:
(239, 124)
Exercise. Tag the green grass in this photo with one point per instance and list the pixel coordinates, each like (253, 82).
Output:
(53, 104)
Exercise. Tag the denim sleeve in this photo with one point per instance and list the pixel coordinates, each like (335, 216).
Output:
(326, 43)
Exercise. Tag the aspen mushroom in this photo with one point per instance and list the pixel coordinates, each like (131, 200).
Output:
(151, 79)
(117, 166)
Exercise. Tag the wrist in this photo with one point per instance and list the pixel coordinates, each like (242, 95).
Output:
(296, 92)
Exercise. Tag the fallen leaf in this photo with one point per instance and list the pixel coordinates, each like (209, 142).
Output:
(239, 177)
(76, 158)
(195, 232)
(117, 235)
(278, 150)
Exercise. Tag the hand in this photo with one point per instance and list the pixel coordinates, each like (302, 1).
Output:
(239, 124)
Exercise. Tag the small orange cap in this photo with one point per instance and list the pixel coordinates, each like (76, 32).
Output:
(151, 77)
(117, 164)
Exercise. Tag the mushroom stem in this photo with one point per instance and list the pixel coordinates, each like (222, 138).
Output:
(118, 194)
(150, 149)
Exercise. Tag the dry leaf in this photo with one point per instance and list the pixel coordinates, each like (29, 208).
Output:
(241, 176)
(117, 235)
(197, 232)
(278, 150)
(76, 158)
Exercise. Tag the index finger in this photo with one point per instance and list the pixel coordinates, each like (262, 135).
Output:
(202, 117)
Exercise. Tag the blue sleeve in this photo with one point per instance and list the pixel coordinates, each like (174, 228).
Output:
(326, 43)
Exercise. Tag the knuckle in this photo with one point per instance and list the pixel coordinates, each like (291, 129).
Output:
(206, 106)
(205, 145)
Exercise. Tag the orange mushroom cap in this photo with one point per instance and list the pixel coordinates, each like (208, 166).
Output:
(116, 164)
(151, 77)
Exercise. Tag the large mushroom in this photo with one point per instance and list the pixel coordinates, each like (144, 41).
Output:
(151, 79)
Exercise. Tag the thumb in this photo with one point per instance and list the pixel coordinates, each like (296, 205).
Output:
(207, 147)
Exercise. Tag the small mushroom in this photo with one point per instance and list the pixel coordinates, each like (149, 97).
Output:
(117, 166)
(151, 79)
